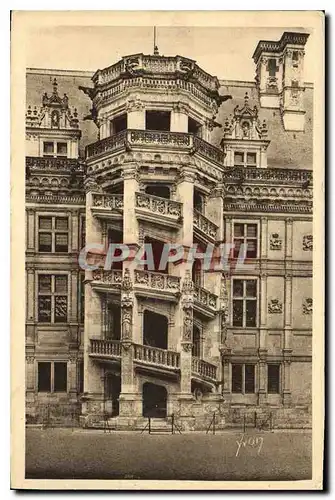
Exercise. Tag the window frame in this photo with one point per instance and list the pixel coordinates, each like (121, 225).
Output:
(243, 367)
(243, 299)
(52, 376)
(245, 163)
(53, 231)
(55, 143)
(279, 378)
(247, 222)
(52, 295)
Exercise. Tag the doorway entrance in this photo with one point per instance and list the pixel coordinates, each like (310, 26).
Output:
(154, 400)
(112, 394)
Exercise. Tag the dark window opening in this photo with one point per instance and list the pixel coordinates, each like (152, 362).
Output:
(197, 272)
(245, 303)
(198, 202)
(44, 377)
(157, 248)
(243, 379)
(60, 377)
(245, 234)
(81, 377)
(272, 67)
(62, 149)
(45, 242)
(61, 242)
(236, 378)
(155, 330)
(112, 394)
(116, 238)
(157, 190)
(48, 148)
(249, 379)
(154, 400)
(157, 120)
(196, 347)
(194, 127)
(118, 124)
(273, 379)
(112, 321)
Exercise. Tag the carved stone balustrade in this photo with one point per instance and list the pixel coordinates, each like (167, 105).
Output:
(111, 143)
(155, 356)
(155, 139)
(205, 299)
(109, 348)
(149, 283)
(277, 175)
(156, 209)
(203, 369)
(107, 280)
(206, 227)
(107, 206)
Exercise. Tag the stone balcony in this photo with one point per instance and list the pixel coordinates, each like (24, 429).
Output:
(107, 281)
(154, 140)
(157, 285)
(149, 358)
(205, 301)
(158, 210)
(107, 206)
(204, 369)
(204, 228)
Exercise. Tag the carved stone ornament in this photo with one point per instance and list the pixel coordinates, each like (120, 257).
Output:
(275, 242)
(186, 346)
(307, 242)
(307, 306)
(126, 318)
(30, 359)
(188, 325)
(275, 306)
(126, 282)
(187, 287)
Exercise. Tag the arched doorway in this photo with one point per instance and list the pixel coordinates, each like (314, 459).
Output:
(155, 330)
(154, 400)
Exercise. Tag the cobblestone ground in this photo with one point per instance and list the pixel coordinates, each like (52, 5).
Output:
(93, 454)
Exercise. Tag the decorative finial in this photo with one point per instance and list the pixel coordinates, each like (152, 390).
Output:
(156, 52)
(246, 99)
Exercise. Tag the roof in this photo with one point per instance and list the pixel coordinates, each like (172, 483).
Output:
(286, 150)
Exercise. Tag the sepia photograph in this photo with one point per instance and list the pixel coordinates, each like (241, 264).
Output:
(171, 205)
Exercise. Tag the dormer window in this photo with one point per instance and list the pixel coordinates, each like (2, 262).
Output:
(55, 149)
(245, 159)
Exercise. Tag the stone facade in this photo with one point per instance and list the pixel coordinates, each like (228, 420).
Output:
(126, 342)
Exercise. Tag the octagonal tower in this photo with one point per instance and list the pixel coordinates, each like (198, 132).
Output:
(153, 333)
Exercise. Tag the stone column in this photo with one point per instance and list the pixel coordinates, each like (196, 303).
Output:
(136, 115)
(179, 118)
(287, 350)
(264, 238)
(131, 186)
(74, 231)
(30, 230)
(30, 373)
(262, 392)
(93, 386)
(72, 376)
(186, 336)
(129, 399)
(185, 193)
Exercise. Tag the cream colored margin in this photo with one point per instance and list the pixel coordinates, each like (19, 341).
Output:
(21, 22)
